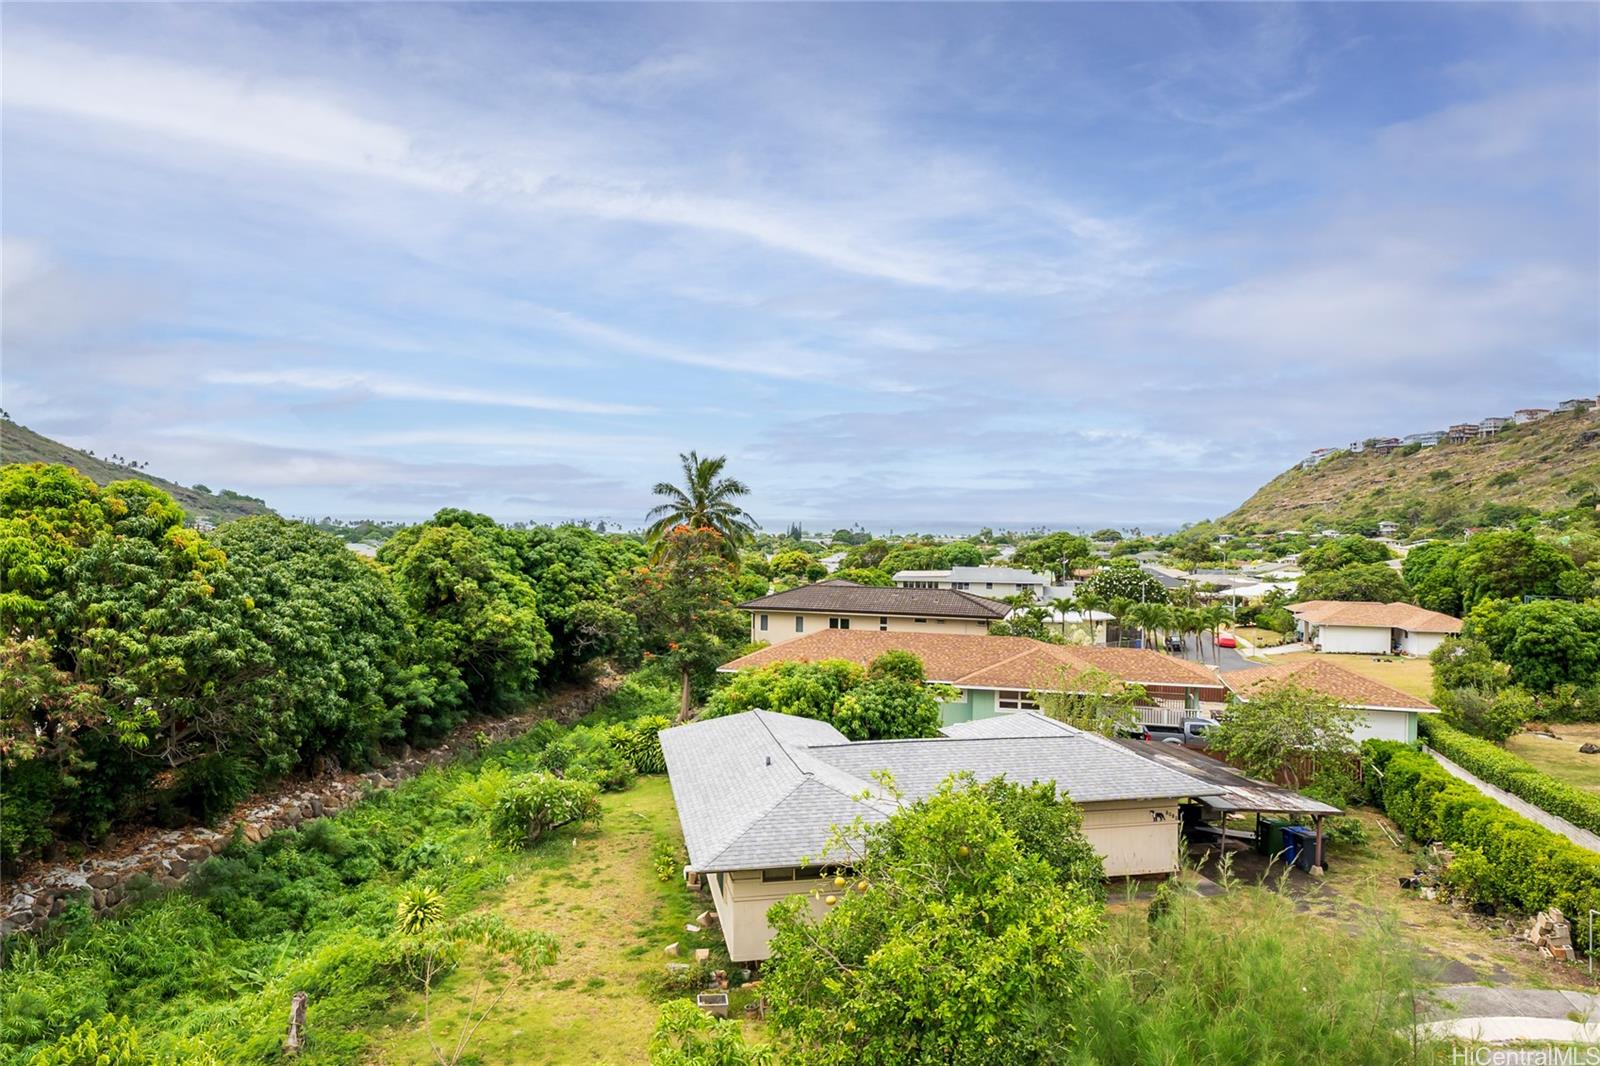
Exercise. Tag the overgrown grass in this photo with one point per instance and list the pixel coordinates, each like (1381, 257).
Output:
(308, 910)
(1243, 978)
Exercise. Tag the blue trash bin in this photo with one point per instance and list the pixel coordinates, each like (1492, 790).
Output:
(1300, 846)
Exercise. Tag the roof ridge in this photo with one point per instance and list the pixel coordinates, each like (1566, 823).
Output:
(997, 662)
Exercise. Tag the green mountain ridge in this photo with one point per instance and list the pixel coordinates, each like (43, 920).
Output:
(1546, 465)
(19, 444)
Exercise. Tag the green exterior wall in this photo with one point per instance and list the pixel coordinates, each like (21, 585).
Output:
(974, 704)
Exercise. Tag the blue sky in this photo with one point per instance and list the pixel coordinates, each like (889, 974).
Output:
(912, 266)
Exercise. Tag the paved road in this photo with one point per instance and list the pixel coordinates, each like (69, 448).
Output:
(1222, 658)
(1579, 836)
(1499, 1015)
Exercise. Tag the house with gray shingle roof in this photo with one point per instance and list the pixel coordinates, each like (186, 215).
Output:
(760, 794)
(837, 604)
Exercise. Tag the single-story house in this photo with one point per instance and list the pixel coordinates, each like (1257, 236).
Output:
(836, 604)
(996, 675)
(1387, 713)
(760, 794)
(996, 582)
(1368, 628)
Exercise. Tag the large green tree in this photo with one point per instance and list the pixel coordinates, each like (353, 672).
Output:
(1056, 553)
(705, 500)
(1343, 551)
(1285, 728)
(477, 621)
(1545, 643)
(684, 606)
(1356, 582)
(953, 943)
(340, 637)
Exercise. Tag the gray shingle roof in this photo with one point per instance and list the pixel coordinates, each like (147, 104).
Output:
(846, 597)
(758, 790)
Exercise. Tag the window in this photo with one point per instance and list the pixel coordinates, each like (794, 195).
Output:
(920, 621)
(838, 623)
(1015, 701)
(799, 623)
(763, 623)
(883, 624)
(785, 873)
(960, 584)
(988, 584)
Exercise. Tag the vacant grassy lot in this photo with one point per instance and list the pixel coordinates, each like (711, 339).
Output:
(1408, 675)
(1561, 758)
(603, 902)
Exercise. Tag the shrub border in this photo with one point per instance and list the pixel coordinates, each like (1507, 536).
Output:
(1520, 778)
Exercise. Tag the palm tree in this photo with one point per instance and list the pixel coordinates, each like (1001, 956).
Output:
(1214, 616)
(1190, 623)
(1087, 602)
(1119, 608)
(705, 501)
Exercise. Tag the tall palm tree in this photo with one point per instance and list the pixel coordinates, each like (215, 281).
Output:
(1214, 616)
(1087, 602)
(1120, 608)
(706, 500)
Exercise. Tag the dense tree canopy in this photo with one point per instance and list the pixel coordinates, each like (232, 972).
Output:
(157, 671)
(1508, 564)
(1545, 643)
(951, 942)
(888, 700)
(1057, 554)
(1334, 554)
(1358, 581)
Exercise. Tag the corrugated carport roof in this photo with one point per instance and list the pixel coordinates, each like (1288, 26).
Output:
(1231, 790)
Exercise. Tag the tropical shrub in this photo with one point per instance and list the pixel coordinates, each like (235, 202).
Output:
(1504, 859)
(531, 805)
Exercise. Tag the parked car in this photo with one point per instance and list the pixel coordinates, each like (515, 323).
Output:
(1191, 734)
(1227, 640)
(1174, 646)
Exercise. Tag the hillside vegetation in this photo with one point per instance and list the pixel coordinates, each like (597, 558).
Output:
(1543, 466)
(19, 444)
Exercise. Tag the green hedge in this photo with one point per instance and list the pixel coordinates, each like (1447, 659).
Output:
(1504, 770)
(1502, 859)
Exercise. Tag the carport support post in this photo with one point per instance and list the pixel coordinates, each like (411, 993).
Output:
(1318, 822)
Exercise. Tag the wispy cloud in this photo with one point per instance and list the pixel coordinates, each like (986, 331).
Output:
(356, 385)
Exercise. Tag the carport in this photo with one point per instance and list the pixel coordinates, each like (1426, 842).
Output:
(1235, 793)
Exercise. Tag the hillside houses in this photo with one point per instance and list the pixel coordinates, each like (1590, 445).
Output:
(1459, 433)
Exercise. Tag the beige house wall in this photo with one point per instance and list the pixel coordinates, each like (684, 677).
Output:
(780, 625)
(1132, 839)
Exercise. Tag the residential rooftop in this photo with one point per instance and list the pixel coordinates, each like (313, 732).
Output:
(846, 597)
(978, 661)
(1370, 613)
(1330, 679)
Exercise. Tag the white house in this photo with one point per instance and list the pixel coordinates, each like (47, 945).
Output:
(1385, 712)
(996, 582)
(1427, 439)
(1368, 628)
(1524, 415)
(1388, 529)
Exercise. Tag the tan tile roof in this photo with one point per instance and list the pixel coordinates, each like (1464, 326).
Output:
(1368, 613)
(1327, 677)
(847, 597)
(985, 662)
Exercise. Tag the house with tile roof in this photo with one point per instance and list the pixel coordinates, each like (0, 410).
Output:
(837, 604)
(1369, 628)
(759, 796)
(1386, 712)
(999, 675)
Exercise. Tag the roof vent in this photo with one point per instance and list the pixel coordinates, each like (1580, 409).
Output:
(769, 760)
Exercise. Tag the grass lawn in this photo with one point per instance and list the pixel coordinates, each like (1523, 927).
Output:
(1561, 758)
(1261, 638)
(598, 894)
(1408, 675)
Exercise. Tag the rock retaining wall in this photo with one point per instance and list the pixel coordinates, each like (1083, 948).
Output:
(165, 859)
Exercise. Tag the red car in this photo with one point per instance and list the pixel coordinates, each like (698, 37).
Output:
(1225, 640)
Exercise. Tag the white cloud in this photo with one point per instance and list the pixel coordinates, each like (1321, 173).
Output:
(358, 384)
